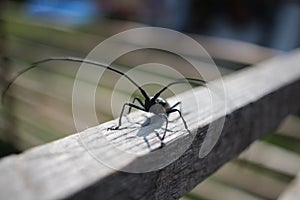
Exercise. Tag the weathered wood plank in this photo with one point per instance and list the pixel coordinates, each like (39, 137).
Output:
(293, 190)
(230, 50)
(236, 51)
(290, 127)
(257, 183)
(258, 99)
(273, 157)
(211, 189)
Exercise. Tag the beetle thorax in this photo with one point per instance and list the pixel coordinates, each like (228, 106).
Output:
(159, 106)
(157, 109)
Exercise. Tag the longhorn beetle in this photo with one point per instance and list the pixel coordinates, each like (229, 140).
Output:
(154, 104)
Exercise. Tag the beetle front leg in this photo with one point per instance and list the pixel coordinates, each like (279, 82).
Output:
(172, 108)
(176, 104)
(130, 105)
(184, 122)
(136, 99)
(166, 128)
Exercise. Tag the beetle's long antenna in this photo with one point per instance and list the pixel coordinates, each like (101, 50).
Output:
(183, 80)
(72, 59)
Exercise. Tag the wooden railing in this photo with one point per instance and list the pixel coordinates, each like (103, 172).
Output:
(258, 99)
(48, 88)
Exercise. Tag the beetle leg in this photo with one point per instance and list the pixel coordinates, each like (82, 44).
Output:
(176, 104)
(130, 105)
(172, 107)
(167, 122)
(179, 112)
(139, 100)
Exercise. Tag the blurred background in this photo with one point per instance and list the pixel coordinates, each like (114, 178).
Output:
(237, 34)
